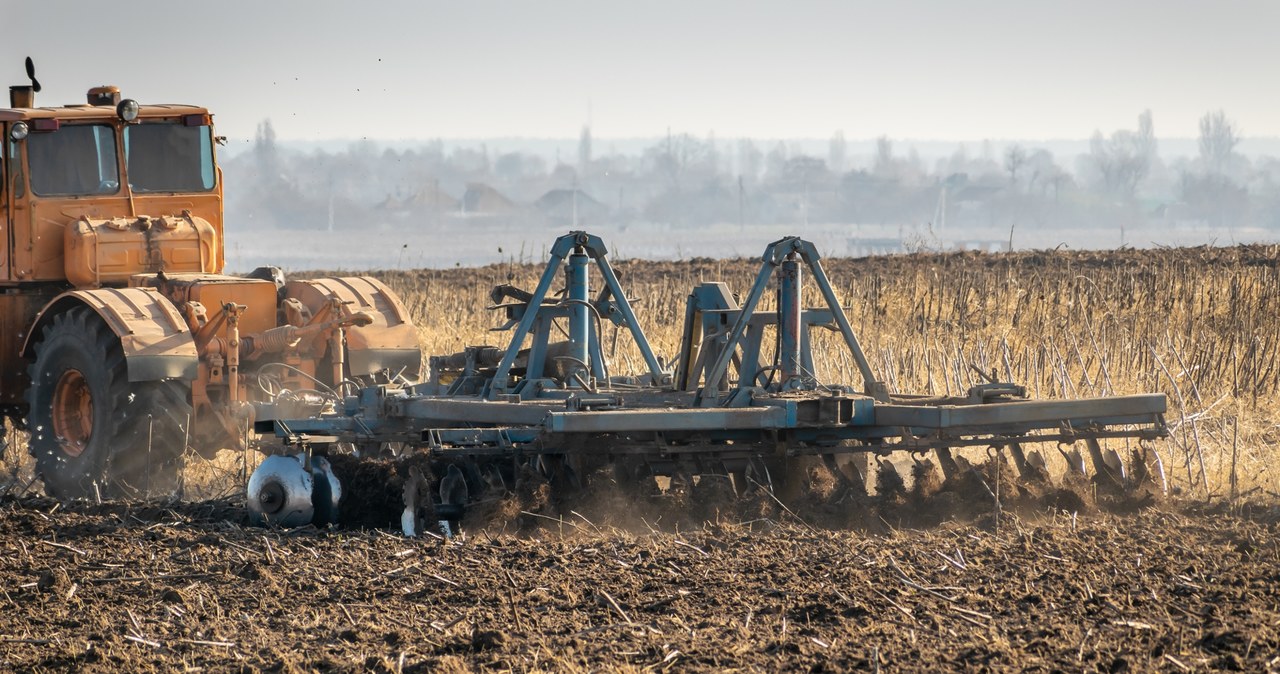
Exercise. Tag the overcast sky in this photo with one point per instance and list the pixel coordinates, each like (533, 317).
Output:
(949, 70)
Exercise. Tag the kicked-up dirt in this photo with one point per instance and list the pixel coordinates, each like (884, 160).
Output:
(189, 587)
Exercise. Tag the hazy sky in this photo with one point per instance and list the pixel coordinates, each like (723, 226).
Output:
(910, 69)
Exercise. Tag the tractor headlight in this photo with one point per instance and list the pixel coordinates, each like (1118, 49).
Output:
(19, 130)
(127, 109)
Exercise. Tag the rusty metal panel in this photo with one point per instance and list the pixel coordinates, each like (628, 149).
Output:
(100, 113)
(363, 293)
(39, 227)
(259, 296)
(214, 290)
(391, 340)
(156, 341)
(108, 251)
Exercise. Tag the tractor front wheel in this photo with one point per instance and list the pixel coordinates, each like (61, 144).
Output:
(94, 432)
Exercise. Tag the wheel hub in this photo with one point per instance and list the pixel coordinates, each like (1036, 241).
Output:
(72, 412)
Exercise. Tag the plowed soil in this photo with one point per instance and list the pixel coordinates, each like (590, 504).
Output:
(189, 587)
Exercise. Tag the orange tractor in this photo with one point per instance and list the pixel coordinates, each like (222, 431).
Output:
(123, 343)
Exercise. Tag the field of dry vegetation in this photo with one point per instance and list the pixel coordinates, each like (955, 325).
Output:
(1199, 324)
(1190, 583)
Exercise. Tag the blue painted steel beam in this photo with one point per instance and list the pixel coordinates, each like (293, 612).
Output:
(502, 377)
(624, 306)
(579, 292)
(708, 394)
(1021, 412)
(790, 307)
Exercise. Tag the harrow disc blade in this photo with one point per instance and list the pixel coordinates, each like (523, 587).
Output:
(453, 487)
(1075, 461)
(1158, 470)
(326, 491)
(1112, 459)
(1035, 459)
(889, 482)
(1148, 469)
(416, 497)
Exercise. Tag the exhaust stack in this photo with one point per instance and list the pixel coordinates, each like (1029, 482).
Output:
(22, 96)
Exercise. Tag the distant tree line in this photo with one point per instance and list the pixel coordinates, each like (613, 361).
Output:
(684, 180)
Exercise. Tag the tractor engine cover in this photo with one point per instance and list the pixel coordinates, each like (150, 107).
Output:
(215, 290)
(389, 342)
(101, 252)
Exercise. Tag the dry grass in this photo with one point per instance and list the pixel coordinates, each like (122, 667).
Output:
(1200, 324)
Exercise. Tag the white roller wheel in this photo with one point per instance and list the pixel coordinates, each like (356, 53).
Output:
(280, 493)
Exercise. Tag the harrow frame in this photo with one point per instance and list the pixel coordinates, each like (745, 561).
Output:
(560, 399)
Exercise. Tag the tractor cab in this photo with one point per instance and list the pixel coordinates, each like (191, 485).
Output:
(97, 192)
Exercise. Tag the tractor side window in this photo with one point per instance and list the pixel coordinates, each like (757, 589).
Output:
(169, 157)
(74, 160)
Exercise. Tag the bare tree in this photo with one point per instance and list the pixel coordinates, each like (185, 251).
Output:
(679, 156)
(836, 152)
(1042, 168)
(1218, 139)
(1145, 140)
(884, 157)
(1058, 179)
(1214, 195)
(1014, 159)
(265, 151)
(1121, 161)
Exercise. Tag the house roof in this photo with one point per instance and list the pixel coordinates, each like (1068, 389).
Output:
(558, 197)
(482, 198)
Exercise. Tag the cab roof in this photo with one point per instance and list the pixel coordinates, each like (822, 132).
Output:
(97, 112)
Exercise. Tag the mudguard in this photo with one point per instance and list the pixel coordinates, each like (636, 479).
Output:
(156, 340)
(390, 342)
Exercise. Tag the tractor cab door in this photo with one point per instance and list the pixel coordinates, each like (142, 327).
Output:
(17, 306)
(11, 369)
(12, 202)
(5, 229)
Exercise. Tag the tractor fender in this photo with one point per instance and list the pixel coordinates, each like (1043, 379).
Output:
(156, 340)
(390, 341)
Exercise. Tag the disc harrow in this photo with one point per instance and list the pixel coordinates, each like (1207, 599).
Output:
(744, 407)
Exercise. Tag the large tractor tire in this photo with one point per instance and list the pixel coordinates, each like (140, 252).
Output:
(94, 432)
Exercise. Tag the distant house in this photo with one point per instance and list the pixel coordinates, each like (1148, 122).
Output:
(975, 193)
(568, 207)
(429, 199)
(481, 199)
(432, 199)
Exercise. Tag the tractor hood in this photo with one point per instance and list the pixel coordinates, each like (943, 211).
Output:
(107, 251)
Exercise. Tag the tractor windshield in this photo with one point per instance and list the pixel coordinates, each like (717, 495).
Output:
(169, 157)
(73, 160)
